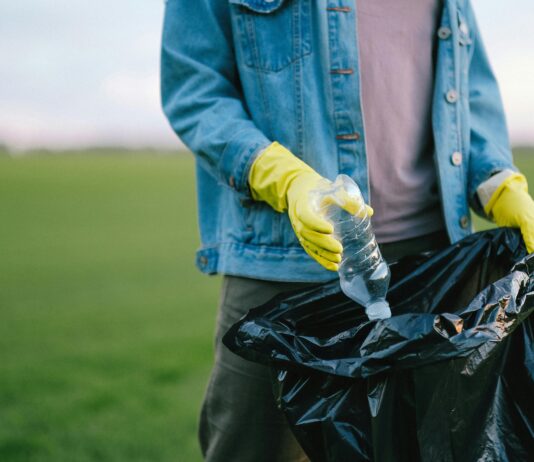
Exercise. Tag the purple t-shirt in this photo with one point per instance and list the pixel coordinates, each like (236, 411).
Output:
(396, 39)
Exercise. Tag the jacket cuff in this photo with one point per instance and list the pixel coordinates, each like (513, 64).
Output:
(482, 174)
(486, 189)
(238, 156)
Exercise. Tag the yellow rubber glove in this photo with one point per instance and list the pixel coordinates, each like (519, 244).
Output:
(284, 181)
(511, 206)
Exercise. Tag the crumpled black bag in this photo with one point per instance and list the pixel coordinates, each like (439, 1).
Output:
(450, 377)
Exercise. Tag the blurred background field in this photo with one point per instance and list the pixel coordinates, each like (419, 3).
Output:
(106, 326)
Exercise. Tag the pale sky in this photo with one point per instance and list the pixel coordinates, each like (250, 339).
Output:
(78, 73)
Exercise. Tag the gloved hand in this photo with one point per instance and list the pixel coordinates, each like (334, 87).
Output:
(511, 205)
(285, 182)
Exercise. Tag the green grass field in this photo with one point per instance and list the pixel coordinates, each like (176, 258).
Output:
(105, 324)
(105, 328)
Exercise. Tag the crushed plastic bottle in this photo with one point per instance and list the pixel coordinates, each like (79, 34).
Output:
(363, 273)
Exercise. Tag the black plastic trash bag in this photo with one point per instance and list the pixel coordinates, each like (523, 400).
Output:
(450, 377)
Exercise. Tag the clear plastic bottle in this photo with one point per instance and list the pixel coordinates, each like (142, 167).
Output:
(363, 273)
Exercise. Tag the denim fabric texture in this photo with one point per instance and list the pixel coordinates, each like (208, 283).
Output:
(239, 74)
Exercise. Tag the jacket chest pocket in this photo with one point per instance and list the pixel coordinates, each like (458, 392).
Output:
(272, 34)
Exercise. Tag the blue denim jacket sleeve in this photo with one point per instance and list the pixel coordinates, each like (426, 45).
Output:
(490, 150)
(200, 90)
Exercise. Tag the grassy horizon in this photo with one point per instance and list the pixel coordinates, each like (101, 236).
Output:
(106, 325)
(105, 339)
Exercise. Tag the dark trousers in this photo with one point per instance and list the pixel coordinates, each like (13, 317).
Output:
(239, 420)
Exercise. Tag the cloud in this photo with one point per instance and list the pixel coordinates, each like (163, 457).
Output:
(133, 90)
(516, 75)
(504, 27)
(25, 127)
(76, 72)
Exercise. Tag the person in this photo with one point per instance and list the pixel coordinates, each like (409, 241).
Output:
(273, 96)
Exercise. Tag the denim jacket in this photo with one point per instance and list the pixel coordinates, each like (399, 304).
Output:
(239, 74)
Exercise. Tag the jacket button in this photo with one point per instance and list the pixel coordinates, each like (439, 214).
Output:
(452, 96)
(456, 158)
(444, 33)
(231, 181)
(464, 221)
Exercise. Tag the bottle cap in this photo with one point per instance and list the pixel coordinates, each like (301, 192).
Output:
(378, 310)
